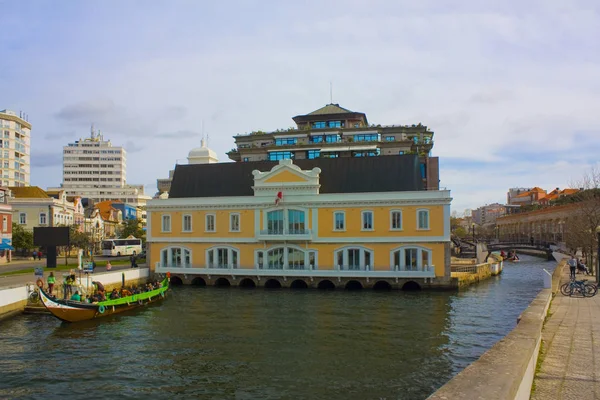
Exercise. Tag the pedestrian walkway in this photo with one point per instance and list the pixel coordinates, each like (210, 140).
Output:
(569, 366)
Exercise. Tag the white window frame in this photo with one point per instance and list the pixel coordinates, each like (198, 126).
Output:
(344, 221)
(402, 250)
(239, 222)
(362, 221)
(230, 250)
(419, 210)
(165, 263)
(265, 251)
(22, 218)
(183, 217)
(392, 220)
(214, 219)
(362, 263)
(286, 221)
(163, 218)
(45, 218)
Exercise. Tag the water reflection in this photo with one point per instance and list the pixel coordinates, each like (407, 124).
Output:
(232, 343)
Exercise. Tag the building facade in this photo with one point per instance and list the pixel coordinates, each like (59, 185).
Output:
(542, 226)
(488, 214)
(15, 149)
(6, 226)
(317, 222)
(333, 132)
(93, 168)
(33, 207)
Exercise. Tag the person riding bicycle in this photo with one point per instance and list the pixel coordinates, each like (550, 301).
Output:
(572, 266)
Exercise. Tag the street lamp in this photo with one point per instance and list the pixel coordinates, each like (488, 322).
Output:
(473, 228)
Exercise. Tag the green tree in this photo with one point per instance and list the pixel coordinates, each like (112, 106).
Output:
(79, 239)
(132, 227)
(21, 238)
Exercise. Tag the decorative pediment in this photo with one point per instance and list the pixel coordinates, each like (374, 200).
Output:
(286, 177)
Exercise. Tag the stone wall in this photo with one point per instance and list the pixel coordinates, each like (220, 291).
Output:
(506, 370)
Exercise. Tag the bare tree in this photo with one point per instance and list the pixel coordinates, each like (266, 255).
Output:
(581, 228)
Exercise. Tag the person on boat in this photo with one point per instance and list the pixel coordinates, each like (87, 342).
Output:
(76, 296)
(68, 286)
(572, 266)
(51, 282)
(99, 287)
(114, 294)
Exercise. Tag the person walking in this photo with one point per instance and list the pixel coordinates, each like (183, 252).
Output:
(51, 282)
(572, 267)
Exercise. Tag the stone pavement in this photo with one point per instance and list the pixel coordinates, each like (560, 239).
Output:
(570, 356)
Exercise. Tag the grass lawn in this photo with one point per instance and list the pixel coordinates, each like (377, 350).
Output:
(62, 267)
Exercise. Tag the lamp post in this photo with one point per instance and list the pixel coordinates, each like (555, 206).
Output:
(473, 228)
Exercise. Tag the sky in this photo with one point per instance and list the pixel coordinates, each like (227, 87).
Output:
(510, 88)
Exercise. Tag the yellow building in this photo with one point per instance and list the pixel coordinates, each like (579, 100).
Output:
(343, 222)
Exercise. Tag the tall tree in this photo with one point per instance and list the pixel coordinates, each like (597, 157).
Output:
(583, 224)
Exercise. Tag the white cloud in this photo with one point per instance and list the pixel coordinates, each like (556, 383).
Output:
(491, 79)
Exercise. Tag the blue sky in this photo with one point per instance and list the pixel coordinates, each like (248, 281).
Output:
(511, 89)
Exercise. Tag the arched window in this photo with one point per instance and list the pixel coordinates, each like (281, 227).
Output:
(353, 258)
(410, 258)
(176, 257)
(222, 257)
(286, 257)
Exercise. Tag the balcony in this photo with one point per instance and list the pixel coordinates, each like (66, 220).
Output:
(285, 234)
(307, 271)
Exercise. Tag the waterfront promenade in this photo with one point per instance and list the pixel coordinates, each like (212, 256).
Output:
(569, 363)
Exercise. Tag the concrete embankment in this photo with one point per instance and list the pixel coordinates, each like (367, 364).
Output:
(506, 370)
(468, 272)
(14, 300)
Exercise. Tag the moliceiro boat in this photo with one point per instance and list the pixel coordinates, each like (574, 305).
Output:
(75, 311)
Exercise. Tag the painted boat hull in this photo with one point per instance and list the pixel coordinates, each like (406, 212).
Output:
(75, 311)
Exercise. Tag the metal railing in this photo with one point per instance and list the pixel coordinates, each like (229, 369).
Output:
(283, 232)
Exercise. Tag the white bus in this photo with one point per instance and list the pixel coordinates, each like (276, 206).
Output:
(121, 247)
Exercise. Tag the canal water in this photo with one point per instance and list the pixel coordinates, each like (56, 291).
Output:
(268, 344)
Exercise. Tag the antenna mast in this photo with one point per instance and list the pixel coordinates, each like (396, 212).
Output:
(330, 92)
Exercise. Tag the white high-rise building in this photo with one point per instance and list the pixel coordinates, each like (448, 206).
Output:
(95, 169)
(15, 135)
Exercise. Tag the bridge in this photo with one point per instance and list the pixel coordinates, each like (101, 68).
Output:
(467, 247)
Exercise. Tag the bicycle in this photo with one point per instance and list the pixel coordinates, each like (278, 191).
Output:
(582, 287)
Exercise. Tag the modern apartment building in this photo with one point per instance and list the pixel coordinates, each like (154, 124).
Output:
(323, 222)
(489, 213)
(15, 136)
(93, 168)
(336, 132)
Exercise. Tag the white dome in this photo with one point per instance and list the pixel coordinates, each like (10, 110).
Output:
(202, 155)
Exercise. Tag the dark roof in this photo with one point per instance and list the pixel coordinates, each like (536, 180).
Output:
(331, 112)
(338, 175)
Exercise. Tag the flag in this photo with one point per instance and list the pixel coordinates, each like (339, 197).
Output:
(278, 198)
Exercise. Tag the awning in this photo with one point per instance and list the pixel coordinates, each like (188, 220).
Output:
(4, 246)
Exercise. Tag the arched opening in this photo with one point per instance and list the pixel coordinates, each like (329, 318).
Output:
(175, 281)
(354, 285)
(222, 282)
(326, 285)
(272, 284)
(247, 283)
(198, 282)
(299, 284)
(382, 285)
(411, 286)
